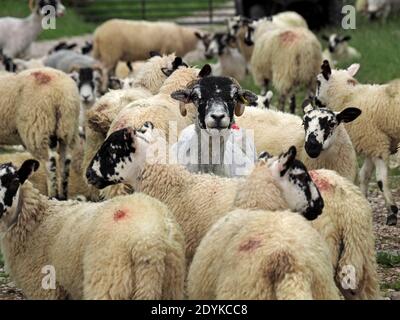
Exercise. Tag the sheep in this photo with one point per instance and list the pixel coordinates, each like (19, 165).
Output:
(338, 49)
(134, 239)
(339, 87)
(16, 34)
(217, 100)
(264, 101)
(380, 9)
(40, 110)
(126, 40)
(219, 195)
(345, 223)
(289, 57)
(147, 82)
(269, 255)
(230, 62)
(128, 69)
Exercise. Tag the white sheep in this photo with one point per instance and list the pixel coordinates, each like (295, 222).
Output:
(288, 57)
(40, 110)
(376, 133)
(346, 221)
(134, 239)
(339, 49)
(126, 40)
(378, 9)
(262, 255)
(16, 34)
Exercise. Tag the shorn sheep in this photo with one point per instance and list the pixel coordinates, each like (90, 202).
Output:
(16, 34)
(219, 195)
(40, 110)
(376, 133)
(339, 49)
(124, 40)
(126, 248)
(346, 221)
(262, 255)
(288, 57)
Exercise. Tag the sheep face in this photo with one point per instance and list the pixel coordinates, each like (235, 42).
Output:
(296, 185)
(88, 81)
(217, 100)
(217, 45)
(336, 42)
(11, 179)
(329, 80)
(121, 157)
(59, 7)
(320, 127)
(234, 24)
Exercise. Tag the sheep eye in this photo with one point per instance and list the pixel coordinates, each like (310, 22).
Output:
(331, 124)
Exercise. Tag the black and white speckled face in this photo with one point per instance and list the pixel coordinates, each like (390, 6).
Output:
(11, 179)
(320, 126)
(120, 158)
(296, 185)
(335, 41)
(217, 100)
(234, 24)
(217, 45)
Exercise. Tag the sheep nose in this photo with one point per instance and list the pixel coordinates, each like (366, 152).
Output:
(218, 117)
(86, 98)
(312, 146)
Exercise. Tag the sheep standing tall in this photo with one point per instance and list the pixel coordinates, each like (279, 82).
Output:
(40, 110)
(376, 133)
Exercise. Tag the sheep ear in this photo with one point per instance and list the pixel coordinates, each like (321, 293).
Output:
(26, 169)
(183, 96)
(353, 69)
(265, 155)
(246, 97)
(307, 106)
(326, 70)
(205, 71)
(114, 83)
(348, 115)
(198, 35)
(286, 160)
(325, 37)
(74, 76)
(346, 38)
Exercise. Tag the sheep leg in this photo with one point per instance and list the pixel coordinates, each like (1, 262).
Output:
(52, 188)
(282, 101)
(365, 175)
(383, 183)
(264, 87)
(293, 104)
(65, 163)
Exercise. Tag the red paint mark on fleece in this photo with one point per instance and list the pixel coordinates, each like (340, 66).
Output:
(250, 245)
(288, 37)
(41, 77)
(235, 127)
(322, 184)
(119, 215)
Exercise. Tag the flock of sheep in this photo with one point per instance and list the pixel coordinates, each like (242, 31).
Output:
(294, 226)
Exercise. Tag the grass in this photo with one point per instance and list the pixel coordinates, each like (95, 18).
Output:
(388, 260)
(392, 285)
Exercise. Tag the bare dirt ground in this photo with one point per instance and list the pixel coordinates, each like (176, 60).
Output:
(387, 241)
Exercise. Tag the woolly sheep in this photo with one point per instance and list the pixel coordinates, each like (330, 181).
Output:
(339, 49)
(269, 255)
(219, 195)
(289, 57)
(134, 239)
(17, 34)
(346, 221)
(375, 134)
(126, 40)
(40, 110)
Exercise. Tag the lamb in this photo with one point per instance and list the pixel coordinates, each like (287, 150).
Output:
(289, 57)
(126, 40)
(346, 221)
(338, 49)
(337, 88)
(25, 31)
(217, 100)
(40, 110)
(230, 62)
(135, 239)
(379, 9)
(262, 255)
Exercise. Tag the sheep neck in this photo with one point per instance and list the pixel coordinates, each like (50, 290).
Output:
(33, 27)
(32, 210)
